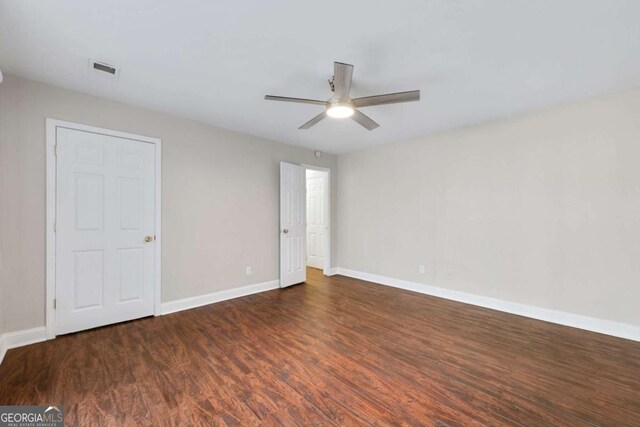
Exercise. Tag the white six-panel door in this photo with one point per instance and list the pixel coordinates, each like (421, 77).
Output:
(105, 215)
(292, 224)
(316, 221)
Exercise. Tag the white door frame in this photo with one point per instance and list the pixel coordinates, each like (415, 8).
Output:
(327, 195)
(52, 125)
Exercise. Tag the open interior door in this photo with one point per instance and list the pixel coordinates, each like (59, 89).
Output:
(293, 187)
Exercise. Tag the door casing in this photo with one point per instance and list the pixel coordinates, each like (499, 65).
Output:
(51, 126)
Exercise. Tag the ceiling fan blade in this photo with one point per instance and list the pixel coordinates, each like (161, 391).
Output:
(299, 100)
(313, 121)
(389, 98)
(364, 120)
(342, 75)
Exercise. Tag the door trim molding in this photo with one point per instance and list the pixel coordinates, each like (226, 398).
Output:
(327, 271)
(50, 283)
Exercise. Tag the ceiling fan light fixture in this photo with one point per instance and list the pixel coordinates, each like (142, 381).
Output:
(340, 111)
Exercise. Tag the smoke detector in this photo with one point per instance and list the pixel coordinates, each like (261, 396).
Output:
(104, 69)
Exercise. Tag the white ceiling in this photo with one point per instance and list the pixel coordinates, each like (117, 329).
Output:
(213, 61)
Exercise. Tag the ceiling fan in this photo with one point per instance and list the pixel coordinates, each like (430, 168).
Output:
(340, 105)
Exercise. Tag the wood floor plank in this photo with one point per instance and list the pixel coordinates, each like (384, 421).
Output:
(334, 351)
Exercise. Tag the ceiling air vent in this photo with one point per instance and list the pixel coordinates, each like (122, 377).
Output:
(104, 69)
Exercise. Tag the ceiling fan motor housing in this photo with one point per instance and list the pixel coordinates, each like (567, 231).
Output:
(335, 102)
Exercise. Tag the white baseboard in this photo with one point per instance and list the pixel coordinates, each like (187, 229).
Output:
(19, 338)
(333, 271)
(608, 327)
(193, 302)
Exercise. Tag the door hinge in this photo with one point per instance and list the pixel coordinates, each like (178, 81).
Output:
(55, 303)
(55, 226)
(55, 150)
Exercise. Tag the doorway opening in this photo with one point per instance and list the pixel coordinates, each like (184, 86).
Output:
(317, 219)
(305, 226)
(103, 227)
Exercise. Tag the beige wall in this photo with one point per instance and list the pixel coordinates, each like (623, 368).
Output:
(542, 210)
(219, 196)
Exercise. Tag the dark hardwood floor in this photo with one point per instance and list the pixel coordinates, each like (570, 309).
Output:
(335, 351)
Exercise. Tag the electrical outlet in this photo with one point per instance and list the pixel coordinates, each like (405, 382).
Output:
(421, 269)
(249, 272)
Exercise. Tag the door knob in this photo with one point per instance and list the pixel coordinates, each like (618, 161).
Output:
(148, 239)
(285, 231)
